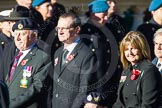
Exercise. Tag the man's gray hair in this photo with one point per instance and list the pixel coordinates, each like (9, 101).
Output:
(157, 33)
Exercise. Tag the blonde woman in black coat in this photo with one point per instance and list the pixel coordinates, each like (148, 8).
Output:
(140, 83)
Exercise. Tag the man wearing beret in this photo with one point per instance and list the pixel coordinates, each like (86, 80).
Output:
(18, 13)
(46, 30)
(29, 68)
(99, 38)
(149, 28)
(44, 7)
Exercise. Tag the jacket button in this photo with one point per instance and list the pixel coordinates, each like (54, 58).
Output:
(119, 31)
(134, 94)
(91, 39)
(58, 80)
(93, 50)
(56, 95)
(136, 104)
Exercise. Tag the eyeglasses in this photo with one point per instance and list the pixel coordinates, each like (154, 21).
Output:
(63, 28)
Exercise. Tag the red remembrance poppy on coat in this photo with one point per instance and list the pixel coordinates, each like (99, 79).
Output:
(23, 62)
(70, 57)
(135, 74)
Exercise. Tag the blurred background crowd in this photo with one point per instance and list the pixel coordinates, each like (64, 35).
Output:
(136, 8)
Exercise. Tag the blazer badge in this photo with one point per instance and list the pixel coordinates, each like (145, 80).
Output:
(23, 83)
(70, 57)
(56, 61)
(26, 73)
(123, 78)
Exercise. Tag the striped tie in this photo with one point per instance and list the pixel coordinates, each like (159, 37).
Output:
(65, 52)
(15, 65)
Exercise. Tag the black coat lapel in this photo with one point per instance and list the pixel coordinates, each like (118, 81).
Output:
(73, 53)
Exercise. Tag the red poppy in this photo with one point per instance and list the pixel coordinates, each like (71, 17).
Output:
(70, 57)
(135, 74)
(23, 62)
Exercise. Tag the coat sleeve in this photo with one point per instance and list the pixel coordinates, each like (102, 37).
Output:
(33, 92)
(4, 95)
(150, 88)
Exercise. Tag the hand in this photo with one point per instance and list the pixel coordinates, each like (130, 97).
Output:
(92, 105)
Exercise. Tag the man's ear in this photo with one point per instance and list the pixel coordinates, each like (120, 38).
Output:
(77, 29)
(36, 8)
(34, 35)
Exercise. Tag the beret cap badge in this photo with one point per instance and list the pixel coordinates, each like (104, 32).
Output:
(96, 99)
(20, 26)
(89, 97)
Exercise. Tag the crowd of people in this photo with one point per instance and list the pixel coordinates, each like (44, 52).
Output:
(50, 59)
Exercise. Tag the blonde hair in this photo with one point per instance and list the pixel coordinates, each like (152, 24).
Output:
(138, 41)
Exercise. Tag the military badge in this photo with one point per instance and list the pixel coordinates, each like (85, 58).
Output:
(56, 61)
(20, 26)
(89, 97)
(96, 99)
(123, 78)
(27, 71)
(23, 82)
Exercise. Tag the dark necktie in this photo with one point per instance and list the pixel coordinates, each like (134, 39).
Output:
(158, 66)
(64, 54)
(15, 64)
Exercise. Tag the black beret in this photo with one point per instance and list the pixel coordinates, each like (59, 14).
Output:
(96, 98)
(25, 24)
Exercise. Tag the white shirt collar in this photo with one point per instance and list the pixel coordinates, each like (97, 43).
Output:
(24, 54)
(71, 47)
